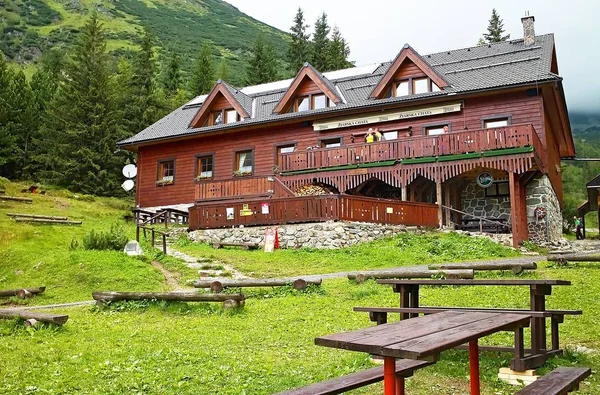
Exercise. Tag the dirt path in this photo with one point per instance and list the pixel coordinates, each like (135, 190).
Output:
(171, 278)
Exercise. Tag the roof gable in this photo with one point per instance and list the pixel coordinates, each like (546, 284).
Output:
(307, 72)
(408, 60)
(222, 90)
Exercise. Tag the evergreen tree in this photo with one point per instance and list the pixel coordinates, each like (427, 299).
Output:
(495, 29)
(171, 81)
(320, 44)
(338, 52)
(223, 70)
(203, 75)
(298, 51)
(262, 66)
(84, 121)
(7, 140)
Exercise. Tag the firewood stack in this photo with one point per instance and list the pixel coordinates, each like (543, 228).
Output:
(310, 189)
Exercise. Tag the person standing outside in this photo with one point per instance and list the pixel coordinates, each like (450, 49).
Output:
(578, 226)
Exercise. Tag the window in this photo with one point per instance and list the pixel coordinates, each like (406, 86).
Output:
(390, 135)
(495, 123)
(413, 86)
(497, 189)
(311, 102)
(244, 162)
(220, 117)
(436, 129)
(331, 143)
(166, 171)
(204, 166)
(286, 149)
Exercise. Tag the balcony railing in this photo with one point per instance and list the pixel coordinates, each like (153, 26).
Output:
(453, 143)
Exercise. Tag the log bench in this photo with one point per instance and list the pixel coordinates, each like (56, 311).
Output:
(229, 300)
(32, 317)
(558, 382)
(379, 315)
(244, 246)
(404, 368)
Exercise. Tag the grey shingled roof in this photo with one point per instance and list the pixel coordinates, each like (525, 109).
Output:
(471, 69)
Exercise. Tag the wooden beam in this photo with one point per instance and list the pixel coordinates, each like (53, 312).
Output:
(518, 210)
(438, 190)
(447, 202)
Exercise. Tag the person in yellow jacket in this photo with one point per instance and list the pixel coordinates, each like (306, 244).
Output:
(370, 137)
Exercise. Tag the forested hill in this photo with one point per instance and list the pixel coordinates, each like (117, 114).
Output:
(29, 28)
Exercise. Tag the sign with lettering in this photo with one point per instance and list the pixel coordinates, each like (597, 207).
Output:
(485, 179)
(245, 211)
(386, 117)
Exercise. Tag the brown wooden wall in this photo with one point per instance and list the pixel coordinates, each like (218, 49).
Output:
(518, 105)
(408, 69)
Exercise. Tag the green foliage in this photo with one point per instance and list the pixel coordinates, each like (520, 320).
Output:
(171, 76)
(203, 74)
(298, 50)
(262, 66)
(495, 29)
(338, 52)
(321, 44)
(114, 239)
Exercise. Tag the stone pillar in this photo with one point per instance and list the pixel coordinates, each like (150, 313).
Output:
(541, 195)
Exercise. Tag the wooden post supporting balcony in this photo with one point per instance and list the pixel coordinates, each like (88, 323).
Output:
(438, 190)
(518, 209)
(404, 192)
(448, 203)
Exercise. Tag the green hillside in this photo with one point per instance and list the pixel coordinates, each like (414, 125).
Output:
(29, 28)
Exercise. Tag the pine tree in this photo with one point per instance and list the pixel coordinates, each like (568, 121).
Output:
(223, 70)
(7, 140)
(203, 75)
(171, 81)
(84, 131)
(262, 66)
(298, 51)
(320, 44)
(338, 52)
(495, 29)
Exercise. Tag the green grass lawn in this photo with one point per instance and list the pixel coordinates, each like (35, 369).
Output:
(266, 347)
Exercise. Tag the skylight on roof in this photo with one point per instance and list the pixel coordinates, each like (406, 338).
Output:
(197, 100)
(354, 71)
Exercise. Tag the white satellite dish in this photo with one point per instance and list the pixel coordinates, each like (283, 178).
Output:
(128, 185)
(130, 171)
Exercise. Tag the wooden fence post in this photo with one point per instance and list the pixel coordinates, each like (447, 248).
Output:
(152, 238)
(137, 233)
(164, 241)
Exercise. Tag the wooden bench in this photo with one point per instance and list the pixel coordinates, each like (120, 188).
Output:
(558, 382)
(379, 315)
(404, 368)
(244, 246)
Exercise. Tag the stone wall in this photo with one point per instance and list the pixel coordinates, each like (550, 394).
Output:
(541, 194)
(326, 235)
(477, 204)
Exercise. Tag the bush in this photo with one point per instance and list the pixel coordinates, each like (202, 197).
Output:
(114, 239)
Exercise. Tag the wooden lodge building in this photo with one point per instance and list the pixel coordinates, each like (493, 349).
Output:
(466, 134)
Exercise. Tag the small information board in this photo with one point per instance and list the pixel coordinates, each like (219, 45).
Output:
(245, 211)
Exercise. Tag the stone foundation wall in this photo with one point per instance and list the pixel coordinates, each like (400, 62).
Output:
(477, 204)
(326, 235)
(541, 194)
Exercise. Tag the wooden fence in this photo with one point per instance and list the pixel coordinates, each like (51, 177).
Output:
(453, 143)
(311, 209)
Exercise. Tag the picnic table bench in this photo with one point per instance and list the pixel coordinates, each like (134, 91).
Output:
(244, 246)
(558, 382)
(424, 338)
(409, 299)
(404, 368)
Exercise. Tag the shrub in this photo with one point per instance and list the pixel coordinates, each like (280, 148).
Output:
(114, 239)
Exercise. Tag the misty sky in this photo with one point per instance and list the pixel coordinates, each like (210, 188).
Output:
(377, 29)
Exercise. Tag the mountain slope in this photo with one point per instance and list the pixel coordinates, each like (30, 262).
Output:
(28, 28)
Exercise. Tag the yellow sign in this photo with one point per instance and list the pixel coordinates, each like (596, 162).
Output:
(386, 117)
(245, 211)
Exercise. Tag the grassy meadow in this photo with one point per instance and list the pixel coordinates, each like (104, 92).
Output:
(266, 347)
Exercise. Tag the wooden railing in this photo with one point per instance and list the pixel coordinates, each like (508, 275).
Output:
(240, 187)
(312, 209)
(453, 143)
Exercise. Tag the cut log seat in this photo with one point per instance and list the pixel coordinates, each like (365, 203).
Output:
(558, 382)
(339, 385)
(244, 246)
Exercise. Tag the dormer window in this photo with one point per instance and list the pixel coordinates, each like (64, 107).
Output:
(310, 102)
(221, 117)
(413, 86)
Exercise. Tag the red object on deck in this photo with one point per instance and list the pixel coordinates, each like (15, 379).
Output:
(474, 367)
(276, 240)
(389, 376)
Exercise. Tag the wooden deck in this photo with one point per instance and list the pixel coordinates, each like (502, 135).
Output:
(312, 209)
(454, 143)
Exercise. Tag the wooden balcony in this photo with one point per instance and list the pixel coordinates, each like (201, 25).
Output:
(242, 187)
(492, 140)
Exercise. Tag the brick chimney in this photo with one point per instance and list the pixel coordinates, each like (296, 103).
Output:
(528, 30)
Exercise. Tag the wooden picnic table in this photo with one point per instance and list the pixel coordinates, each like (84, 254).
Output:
(538, 289)
(424, 338)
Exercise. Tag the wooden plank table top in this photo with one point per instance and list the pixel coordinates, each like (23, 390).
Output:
(474, 282)
(424, 337)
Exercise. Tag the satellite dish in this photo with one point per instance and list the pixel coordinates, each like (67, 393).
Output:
(128, 185)
(130, 171)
